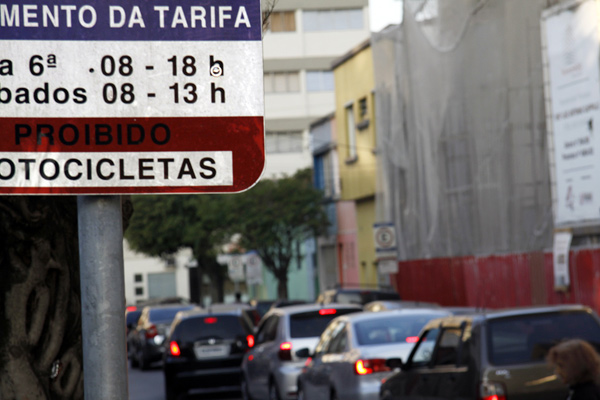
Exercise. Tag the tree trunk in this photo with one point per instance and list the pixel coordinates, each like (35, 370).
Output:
(282, 281)
(40, 304)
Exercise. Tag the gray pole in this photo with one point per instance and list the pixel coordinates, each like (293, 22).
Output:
(102, 297)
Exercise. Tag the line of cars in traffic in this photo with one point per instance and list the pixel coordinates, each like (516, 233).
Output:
(385, 349)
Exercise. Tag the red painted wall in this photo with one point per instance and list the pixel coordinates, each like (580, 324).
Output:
(500, 280)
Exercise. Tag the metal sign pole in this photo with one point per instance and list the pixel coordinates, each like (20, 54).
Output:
(102, 297)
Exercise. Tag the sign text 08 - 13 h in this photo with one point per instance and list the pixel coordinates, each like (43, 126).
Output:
(144, 96)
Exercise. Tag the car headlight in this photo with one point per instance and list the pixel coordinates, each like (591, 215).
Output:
(159, 339)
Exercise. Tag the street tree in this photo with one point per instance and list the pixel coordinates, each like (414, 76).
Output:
(41, 353)
(274, 217)
(163, 225)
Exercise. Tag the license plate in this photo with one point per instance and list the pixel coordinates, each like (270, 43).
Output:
(211, 351)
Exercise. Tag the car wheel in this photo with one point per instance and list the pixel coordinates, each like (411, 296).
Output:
(273, 394)
(301, 393)
(245, 390)
(170, 391)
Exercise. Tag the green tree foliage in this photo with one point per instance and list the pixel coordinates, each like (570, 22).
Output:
(272, 217)
(162, 225)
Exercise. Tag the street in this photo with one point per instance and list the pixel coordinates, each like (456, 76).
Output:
(149, 385)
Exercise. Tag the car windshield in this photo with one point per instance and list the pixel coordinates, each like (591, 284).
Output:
(364, 297)
(399, 329)
(528, 338)
(132, 317)
(166, 314)
(312, 324)
(220, 326)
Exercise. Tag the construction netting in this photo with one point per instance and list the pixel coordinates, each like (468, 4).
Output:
(461, 125)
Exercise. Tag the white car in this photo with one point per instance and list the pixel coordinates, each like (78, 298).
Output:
(350, 358)
(270, 370)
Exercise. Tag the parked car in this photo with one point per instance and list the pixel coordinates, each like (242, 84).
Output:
(132, 315)
(384, 305)
(493, 355)
(270, 370)
(205, 351)
(359, 296)
(148, 337)
(246, 310)
(349, 360)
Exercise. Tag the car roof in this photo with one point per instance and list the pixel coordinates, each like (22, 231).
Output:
(300, 308)
(457, 320)
(368, 316)
(169, 306)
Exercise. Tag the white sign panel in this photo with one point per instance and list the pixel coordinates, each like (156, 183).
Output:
(253, 269)
(384, 235)
(135, 82)
(562, 244)
(573, 53)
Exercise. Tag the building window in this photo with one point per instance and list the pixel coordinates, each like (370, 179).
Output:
(284, 142)
(351, 132)
(332, 20)
(362, 107)
(281, 21)
(138, 278)
(319, 81)
(282, 82)
(139, 291)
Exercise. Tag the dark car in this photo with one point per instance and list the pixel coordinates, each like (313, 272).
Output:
(147, 339)
(246, 310)
(205, 351)
(132, 315)
(359, 296)
(493, 355)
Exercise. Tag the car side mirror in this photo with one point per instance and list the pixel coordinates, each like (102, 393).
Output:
(395, 363)
(304, 353)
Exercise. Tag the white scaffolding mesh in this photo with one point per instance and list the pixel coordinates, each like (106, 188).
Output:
(461, 128)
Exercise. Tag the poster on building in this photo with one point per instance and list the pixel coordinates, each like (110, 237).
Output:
(253, 269)
(562, 244)
(571, 31)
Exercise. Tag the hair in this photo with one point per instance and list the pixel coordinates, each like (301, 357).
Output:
(579, 361)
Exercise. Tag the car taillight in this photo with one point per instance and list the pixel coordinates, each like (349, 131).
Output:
(327, 311)
(412, 339)
(365, 367)
(131, 308)
(250, 341)
(174, 348)
(151, 332)
(492, 391)
(285, 351)
(210, 320)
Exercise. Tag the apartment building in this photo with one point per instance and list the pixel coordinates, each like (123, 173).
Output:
(301, 41)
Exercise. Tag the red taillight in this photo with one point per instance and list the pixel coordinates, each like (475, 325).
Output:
(327, 311)
(365, 367)
(492, 391)
(285, 351)
(308, 361)
(151, 332)
(250, 341)
(131, 308)
(412, 339)
(210, 320)
(174, 348)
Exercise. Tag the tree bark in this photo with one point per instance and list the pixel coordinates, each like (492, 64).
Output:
(40, 303)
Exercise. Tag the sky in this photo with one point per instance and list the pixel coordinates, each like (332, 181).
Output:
(384, 12)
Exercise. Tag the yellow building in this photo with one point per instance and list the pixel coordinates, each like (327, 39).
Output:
(355, 116)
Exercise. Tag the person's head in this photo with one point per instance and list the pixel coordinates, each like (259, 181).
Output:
(575, 361)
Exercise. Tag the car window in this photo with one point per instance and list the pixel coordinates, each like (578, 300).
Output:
(267, 330)
(313, 323)
(338, 339)
(221, 326)
(398, 329)
(525, 339)
(325, 338)
(423, 351)
(165, 314)
(447, 350)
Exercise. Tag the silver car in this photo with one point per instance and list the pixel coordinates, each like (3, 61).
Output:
(270, 370)
(350, 358)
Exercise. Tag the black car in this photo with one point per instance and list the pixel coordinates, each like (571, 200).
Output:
(205, 352)
(146, 344)
(359, 296)
(493, 355)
